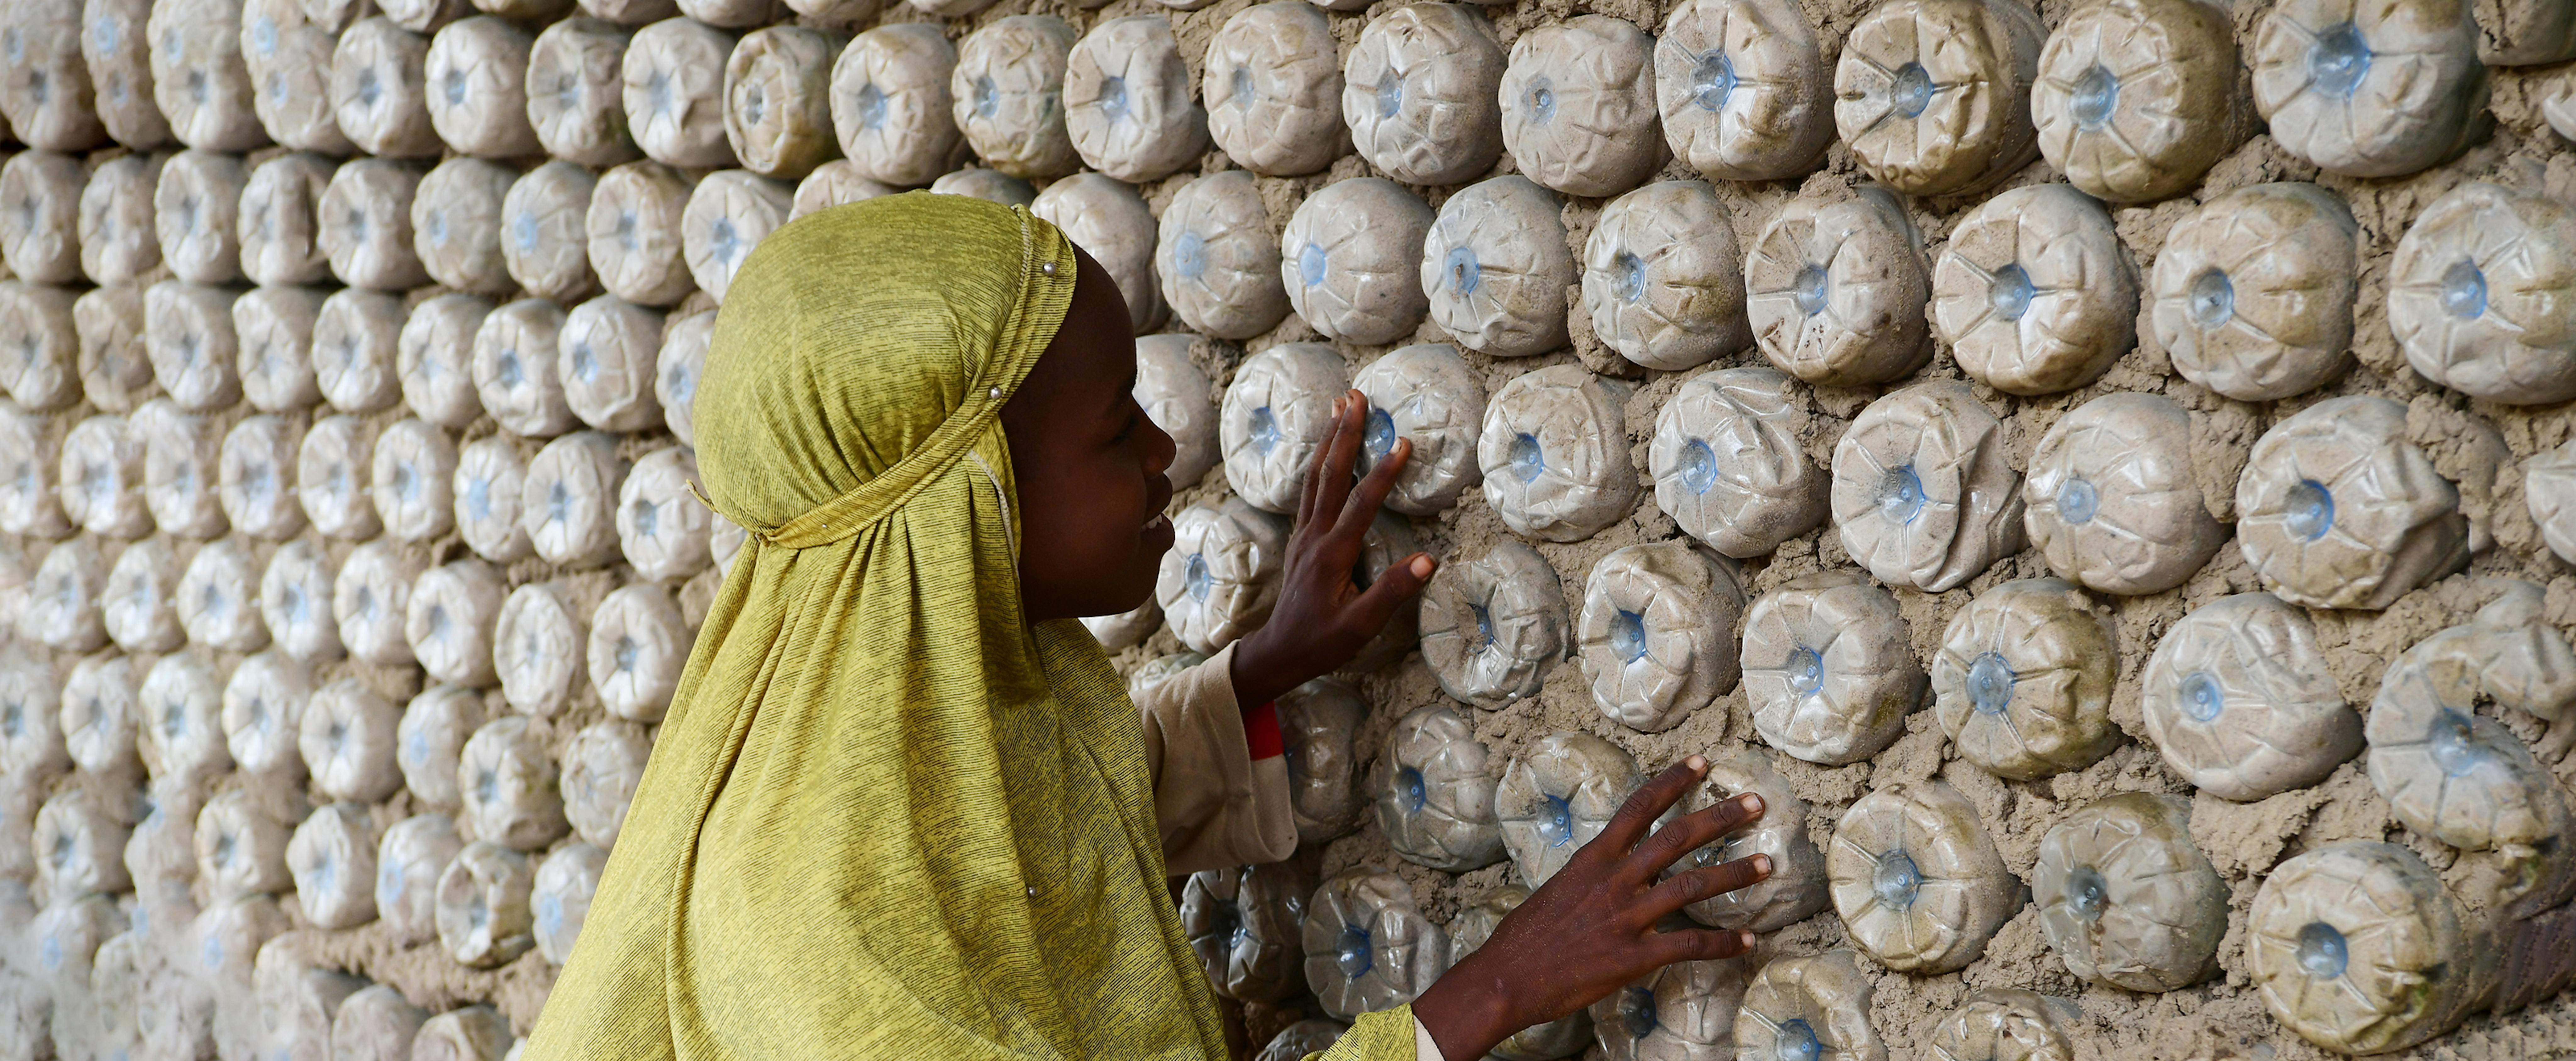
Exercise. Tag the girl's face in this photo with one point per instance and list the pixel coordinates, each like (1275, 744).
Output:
(1089, 465)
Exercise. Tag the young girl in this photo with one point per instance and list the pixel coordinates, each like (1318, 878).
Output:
(902, 806)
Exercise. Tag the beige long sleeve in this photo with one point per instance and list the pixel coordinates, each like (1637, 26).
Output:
(1216, 806)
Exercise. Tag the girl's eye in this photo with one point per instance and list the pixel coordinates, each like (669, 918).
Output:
(1127, 427)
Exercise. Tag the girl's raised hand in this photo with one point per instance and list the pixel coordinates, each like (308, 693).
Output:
(1590, 929)
(1324, 617)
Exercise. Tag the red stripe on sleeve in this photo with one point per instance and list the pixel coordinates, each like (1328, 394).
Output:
(1261, 731)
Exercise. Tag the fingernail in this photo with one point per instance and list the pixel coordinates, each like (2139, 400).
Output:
(1762, 865)
(1698, 764)
(1747, 937)
(1751, 802)
(1422, 567)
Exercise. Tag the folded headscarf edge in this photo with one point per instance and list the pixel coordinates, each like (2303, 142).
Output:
(1046, 268)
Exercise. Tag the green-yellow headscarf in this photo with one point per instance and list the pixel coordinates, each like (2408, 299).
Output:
(886, 817)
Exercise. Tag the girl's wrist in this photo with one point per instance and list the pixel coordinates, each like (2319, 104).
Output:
(1255, 675)
(1468, 1011)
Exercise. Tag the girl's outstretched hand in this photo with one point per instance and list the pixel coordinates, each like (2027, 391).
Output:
(1324, 616)
(1590, 929)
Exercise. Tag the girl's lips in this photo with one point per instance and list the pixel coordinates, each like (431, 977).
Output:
(1160, 522)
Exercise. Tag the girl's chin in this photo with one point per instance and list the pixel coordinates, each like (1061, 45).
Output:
(1131, 601)
(1144, 571)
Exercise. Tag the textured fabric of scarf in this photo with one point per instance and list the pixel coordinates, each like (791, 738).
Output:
(885, 816)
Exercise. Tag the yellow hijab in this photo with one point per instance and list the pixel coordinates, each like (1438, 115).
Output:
(886, 817)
